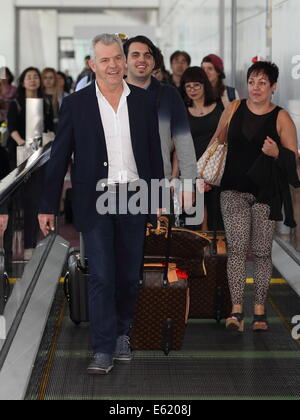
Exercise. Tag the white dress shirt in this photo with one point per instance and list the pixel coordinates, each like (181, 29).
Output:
(121, 161)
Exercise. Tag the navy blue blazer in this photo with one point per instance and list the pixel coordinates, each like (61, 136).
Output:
(81, 132)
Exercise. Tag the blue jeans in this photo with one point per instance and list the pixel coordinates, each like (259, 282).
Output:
(114, 249)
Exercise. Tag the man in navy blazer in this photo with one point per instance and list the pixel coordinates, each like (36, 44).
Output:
(112, 130)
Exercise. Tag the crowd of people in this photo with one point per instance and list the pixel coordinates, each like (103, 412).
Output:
(51, 87)
(190, 120)
(192, 105)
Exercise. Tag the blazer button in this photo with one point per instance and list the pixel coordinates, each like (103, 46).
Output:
(105, 164)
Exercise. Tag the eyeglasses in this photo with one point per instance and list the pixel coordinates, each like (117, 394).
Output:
(196, 86)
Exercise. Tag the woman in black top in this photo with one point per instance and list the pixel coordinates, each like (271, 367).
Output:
(29, 87)
(259, 129)
(204, 114)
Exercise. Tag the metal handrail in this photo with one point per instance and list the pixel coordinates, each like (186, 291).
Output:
(22, 173)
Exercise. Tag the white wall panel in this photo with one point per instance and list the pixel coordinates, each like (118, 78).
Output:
(7, 37)
(286, 53)
(251, 38)
(191, 25)
(195, 26)
(251, 41)
(118, 21)
(227, 55)
(250, 9)
(38, 39)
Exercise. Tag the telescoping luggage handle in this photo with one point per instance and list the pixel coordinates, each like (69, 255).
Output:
(168, 254)
(82, 252)
(168, 251)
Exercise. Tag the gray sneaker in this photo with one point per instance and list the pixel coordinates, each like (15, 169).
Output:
(101, 365)
(123, 351)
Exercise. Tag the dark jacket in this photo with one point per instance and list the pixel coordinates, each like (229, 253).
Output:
(81, 132)
(273, 179)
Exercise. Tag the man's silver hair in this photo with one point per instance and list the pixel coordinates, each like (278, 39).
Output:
(106, 39)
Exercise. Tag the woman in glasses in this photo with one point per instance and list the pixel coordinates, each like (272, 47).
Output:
(204, 114)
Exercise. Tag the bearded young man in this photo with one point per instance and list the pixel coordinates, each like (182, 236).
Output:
(142, 58)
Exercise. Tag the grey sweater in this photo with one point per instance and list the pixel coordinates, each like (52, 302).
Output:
(174, 130)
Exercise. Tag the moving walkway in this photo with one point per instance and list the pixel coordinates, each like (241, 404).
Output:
(43, 356)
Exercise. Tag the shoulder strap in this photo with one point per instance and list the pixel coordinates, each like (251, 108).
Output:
(235, 105)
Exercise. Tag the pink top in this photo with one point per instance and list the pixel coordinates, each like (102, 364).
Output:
(6, 98)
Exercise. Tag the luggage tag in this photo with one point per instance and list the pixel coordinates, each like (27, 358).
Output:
(174, 274)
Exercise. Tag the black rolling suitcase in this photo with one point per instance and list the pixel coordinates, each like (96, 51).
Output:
(76, 285)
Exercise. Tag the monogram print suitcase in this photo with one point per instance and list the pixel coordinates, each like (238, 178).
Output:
(163, 303)
(209, 291)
